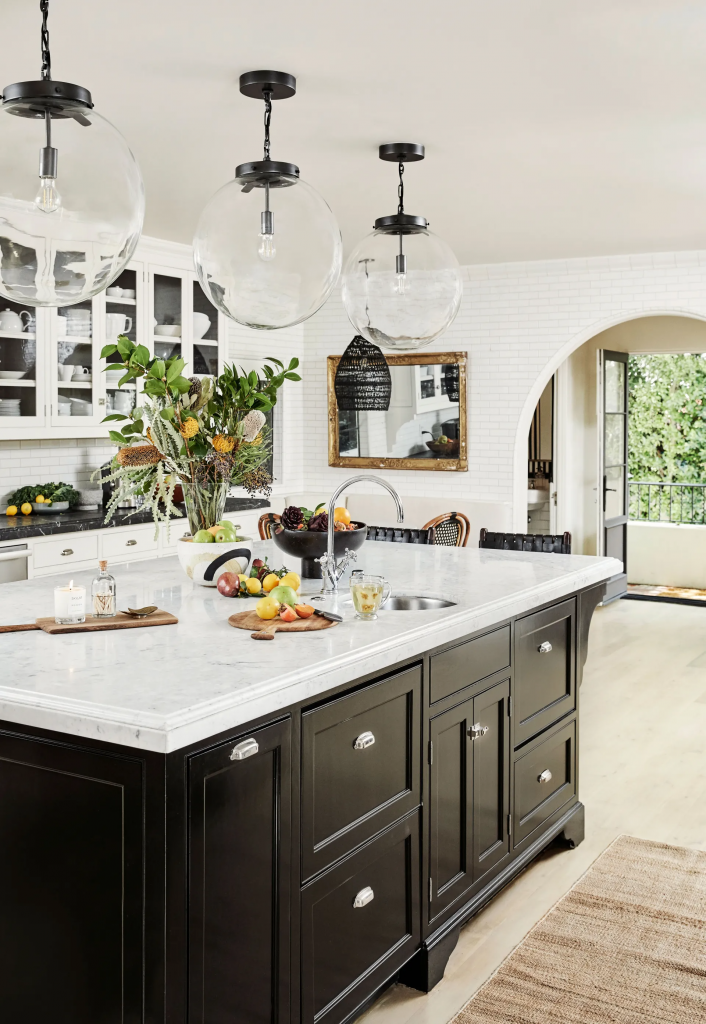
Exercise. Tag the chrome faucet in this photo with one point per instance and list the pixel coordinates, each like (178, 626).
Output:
(333, 570)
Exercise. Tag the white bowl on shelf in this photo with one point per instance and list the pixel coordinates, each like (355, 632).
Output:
(168, 330)
(12, 374)
(80, 407)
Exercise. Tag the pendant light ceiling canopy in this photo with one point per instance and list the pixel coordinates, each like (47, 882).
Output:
(402, 284)
(267, 248)
(69, 226)
(363, 379)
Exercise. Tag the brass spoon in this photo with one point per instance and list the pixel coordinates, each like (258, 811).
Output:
(140, 613)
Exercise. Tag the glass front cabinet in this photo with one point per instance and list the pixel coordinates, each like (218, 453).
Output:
(53, 383)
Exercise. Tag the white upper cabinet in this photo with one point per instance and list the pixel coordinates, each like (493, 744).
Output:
(53, 382)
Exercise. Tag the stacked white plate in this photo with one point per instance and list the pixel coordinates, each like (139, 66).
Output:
(10, 407)
(80, 407)
(78, 323)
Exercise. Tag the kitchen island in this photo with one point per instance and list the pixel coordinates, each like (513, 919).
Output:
(198, 827)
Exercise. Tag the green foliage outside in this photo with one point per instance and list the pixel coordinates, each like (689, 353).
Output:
(667, 433)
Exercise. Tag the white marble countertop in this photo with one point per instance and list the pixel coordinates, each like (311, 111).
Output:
(166, 687)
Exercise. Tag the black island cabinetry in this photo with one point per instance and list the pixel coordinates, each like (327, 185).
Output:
(283, 873)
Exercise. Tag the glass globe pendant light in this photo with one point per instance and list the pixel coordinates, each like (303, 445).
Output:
(402, 284)
(68, 227)
(267, 248)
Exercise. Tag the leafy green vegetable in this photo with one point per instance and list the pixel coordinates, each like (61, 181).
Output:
(55, 492)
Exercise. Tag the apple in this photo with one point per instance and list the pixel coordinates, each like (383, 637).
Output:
(228, 584)
(203, 537)
(285, 595)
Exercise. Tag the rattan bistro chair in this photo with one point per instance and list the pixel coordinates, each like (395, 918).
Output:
(266, 523)
(452, 529)
(552, 543)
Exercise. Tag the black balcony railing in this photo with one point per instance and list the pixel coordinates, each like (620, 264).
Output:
(667, 503)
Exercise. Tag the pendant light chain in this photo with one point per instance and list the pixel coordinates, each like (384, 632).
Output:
(400, 189)
(268, 117)
(46, 55)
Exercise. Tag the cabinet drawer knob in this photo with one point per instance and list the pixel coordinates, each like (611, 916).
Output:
(545, 648)
(478, 730)
(366, 739)
(364, 897)
(67, 551)
(246, 748)
(546, 776)
(130, 543)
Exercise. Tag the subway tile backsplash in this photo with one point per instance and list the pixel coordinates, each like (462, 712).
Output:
(36, 462)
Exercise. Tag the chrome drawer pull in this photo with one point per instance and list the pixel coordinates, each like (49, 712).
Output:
(364, 897)
(546, 776)
(67, 551)
(246, 748)
(545, 648)
(130, 543)
(366, 739)
(478, 730)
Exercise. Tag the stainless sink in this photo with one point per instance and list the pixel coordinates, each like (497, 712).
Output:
(408, 603)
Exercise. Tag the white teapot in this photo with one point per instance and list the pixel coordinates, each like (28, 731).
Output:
(10, 321)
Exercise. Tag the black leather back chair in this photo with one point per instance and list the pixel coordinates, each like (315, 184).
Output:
(552, 543)
(400, 535)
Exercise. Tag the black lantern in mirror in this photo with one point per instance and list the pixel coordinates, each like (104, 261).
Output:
(363, 378)
(450, 374)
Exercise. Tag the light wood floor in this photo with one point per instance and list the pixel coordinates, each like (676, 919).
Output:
(642, 773)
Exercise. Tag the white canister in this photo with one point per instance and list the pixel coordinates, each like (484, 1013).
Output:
(69, 604)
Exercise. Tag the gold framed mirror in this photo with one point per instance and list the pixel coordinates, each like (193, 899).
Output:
(424, 427)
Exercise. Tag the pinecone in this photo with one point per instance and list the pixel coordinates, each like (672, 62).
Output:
(319, 523)
(292, 517)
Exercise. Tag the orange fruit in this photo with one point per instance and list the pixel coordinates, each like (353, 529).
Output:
(342, 515)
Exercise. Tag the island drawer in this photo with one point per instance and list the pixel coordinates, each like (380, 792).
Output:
(544, 779)
(64, 551)
(360, 923)
(122, 545)
(461, 666)
(545, 669)
(360, 767)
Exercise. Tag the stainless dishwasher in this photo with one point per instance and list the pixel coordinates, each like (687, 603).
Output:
(13, 562)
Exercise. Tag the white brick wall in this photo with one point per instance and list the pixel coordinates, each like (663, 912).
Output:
(517, 322)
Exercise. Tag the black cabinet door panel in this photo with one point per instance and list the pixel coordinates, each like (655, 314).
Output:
(545, 669)
(71, 885)
(349, 950)
(239, 882)
(450, 812)
(360, 767)
(545, 779)
(491, 778)
(461, 666)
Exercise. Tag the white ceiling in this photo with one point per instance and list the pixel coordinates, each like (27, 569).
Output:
(552, 128)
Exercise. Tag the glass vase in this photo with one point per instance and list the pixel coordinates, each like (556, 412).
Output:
(205, 504)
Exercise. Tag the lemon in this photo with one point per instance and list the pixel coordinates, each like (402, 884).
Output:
(253, 586)
(270, 582)
(39, 499)
(243, 578)
(290, 579)
(26, 509)
(267, 607)
(11, 510)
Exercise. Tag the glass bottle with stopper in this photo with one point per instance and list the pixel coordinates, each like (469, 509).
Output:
(103, 593)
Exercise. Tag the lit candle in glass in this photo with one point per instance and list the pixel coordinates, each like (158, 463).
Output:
(69, 604)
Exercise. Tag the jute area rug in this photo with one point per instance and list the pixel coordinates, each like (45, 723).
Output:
(626, 945)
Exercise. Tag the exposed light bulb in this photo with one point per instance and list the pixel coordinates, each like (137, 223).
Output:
(401, 284)
(48, 197)
(401, 271)
(267, 250)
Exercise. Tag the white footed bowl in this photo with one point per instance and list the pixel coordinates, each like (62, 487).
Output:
(204, 563)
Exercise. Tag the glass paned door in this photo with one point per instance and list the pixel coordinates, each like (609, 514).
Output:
(167, 314)
(77, 338)
(123, 316)
(21, 370)
(204, 334)
(614, 468)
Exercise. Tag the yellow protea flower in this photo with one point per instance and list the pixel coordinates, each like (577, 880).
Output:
(256, 440)
(189, 428)
(223, 444)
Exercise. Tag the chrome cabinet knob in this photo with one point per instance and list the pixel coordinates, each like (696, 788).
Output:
(364, 897)
(67, 551)
(545, 648)
(546, 776)
(366, 739)
(246, 748)
(130, 543)
(478, 730)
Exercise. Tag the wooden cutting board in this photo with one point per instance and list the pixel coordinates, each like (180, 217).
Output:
(252, 621)
(91, 625)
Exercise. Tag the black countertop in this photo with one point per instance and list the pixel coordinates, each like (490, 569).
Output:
(21, 527)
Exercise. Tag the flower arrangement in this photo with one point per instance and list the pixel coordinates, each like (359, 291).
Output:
(204, 434)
